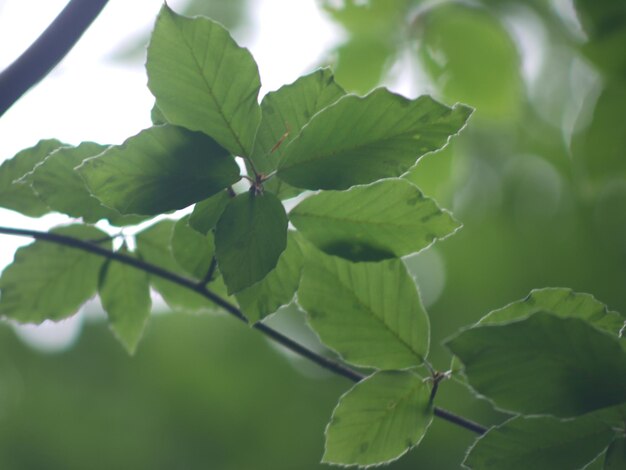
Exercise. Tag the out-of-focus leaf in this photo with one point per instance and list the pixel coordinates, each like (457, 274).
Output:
(277, 288)
(284, 113)
(544, 364)
(249, 238)
(48, 281)
(616, 455)
(359, 140)
(378, 420)
(203, 80)
(161, 169)
(471, 57)
(370, 313)
(540, 443)
(387, 219)
(60, 186)
(20, 197)
(125, 295)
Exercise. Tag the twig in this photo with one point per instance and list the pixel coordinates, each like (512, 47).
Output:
(276, 336)
(47, 50)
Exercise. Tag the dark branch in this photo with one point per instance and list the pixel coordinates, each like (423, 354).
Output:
(276, 336)
(47, 51)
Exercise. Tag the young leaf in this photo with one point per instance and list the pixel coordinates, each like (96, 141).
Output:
(284, 113)
(161, 169)
(203, 80)
(153, 245)
(63, 190)
(47, 281)
(616, 455)
(249, 238)
(387, 219)
(370, 313)
(206, 213)
(125, 295)
(378, 420)
(277, 288)
(359, 140)
(20, 197)
(540, 443)
(192, 250)
(544, 364)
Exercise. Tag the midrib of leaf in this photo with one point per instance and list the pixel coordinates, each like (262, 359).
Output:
(210, 90)
(378, 319)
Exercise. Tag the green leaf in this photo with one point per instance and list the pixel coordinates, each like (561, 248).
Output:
(192, 250)
(63, 190)
(284, 113)
(277, 288)
(387, 219)
(616, 455)
(452, 40)
(359, 140)
(378, 420)
(20, 197)
(544, 364)
(540, 443)
(161, 169)
(203, 80)
(370, 313)
(48, 281)
(561, 302)
(206, 213)
(249, 238)
(153, 246)
(125, 295)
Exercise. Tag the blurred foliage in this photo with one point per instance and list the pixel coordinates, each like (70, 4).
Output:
(538, 178)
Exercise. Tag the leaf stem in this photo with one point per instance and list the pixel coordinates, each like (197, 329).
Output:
(47, 50)
(274, 335)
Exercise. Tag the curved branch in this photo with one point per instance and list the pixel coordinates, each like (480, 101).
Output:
(274, 335)
(47, 50)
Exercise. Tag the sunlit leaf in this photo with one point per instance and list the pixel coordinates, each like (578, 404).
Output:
(359, 140)
(277, 288)
(540, 443)
(379, 420)
(161, 169)
(48, 281)
(203, 80)
(20, 197)
(387, 219)
(544, 364)
(370, 313)
(249, 238)
(125, 295)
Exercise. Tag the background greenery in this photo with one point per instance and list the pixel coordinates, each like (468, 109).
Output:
(537, 178)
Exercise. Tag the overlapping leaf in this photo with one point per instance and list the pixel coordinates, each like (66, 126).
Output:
(359, 140)
(249, 238)
(579, 368)
(277, 288)
(206, 213)
(192, 250)
(370, 313)
(19, 196)
(616, 455)
(387, 219)
(125, 295)
(48, 281)
(378, 420)
(543, 443)
(57, 183)
(161, 169)
(203, 80)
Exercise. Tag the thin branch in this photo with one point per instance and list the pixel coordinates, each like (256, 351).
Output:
(276, 336)
(47, 50)
(208, 277)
